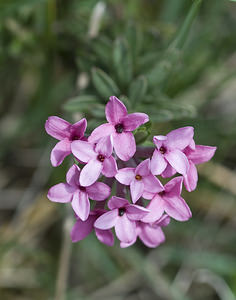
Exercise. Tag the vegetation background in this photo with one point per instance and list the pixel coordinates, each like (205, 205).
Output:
(174, 60)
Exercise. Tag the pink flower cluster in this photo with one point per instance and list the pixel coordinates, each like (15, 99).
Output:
(139, 205)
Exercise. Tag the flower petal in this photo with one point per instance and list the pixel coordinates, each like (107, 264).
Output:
(117, 202)
(159, 140)
(83, 150)
(82, 229)
(136, 189)
(59, 152)
(105, 146)
(107, 220)
(61, 192)
(136, 212)
(125, 175)
(158, 163)
(156, 207)
(98, 191)
(151, 236)
(133, 121)
(180, 138)
(152, 184)
(124, 145)
(109, 167)
(105, 236)
(192, 145)
(143, 168)
(168, 172)
(201, 154)
(77, 130)
(115, 110)
(80, 204)
(177, 208)
(178, 161)
(148, 195)
(90, 172)
(190, 180)
(174, 186)
(125, 229)
(125, 245)
(72, 176)
(163, 221)
(101, 131)
(57, 128)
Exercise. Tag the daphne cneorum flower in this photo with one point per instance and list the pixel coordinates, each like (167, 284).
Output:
(139, 205)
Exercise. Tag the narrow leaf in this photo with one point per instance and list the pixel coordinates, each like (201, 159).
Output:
(79, 103)
(182, 35)
(122, 61)
(138, 89)
(104, 84)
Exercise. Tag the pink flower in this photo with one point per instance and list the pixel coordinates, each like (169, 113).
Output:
(73, 191)
(168, 201)
(150, 234)
(120, 124)
(196, 155)
(169, 151)
(122, 216)
(82, 229)
(65, 133)
(140, 179)
(98, 158)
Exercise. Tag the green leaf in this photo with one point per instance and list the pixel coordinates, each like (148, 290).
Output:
(98, 111)
(122, 61)
(161, 115)
(102, 47)
(146, 61)
(80, 103)
(10, 6)
(158, 75)
(182, 35)
(104, 84)
(167, 110)
(142, 132)
(138, 89)
(220, 263)
(160, 72)
(135, 39)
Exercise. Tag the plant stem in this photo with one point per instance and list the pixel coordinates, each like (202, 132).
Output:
(181, 37)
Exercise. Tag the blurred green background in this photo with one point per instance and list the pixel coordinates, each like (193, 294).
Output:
(173, 59)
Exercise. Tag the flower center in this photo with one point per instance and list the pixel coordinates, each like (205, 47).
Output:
(121, 211)
(162, 150)
(162, 193)
(74, 137)
(138, 177)
(82, 188)
(119, 128)
(101, 158)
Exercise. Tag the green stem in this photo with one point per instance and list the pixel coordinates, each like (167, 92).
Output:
(181, 37)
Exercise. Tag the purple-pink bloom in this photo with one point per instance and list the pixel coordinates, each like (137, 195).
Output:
(122, 216)
(150, 234)
(169, 151)
(169, 201)
(120, 125)
(140, 179)
(82, 229)
(66, 133)
(196, 155)
(98, 158)
(73, 191)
